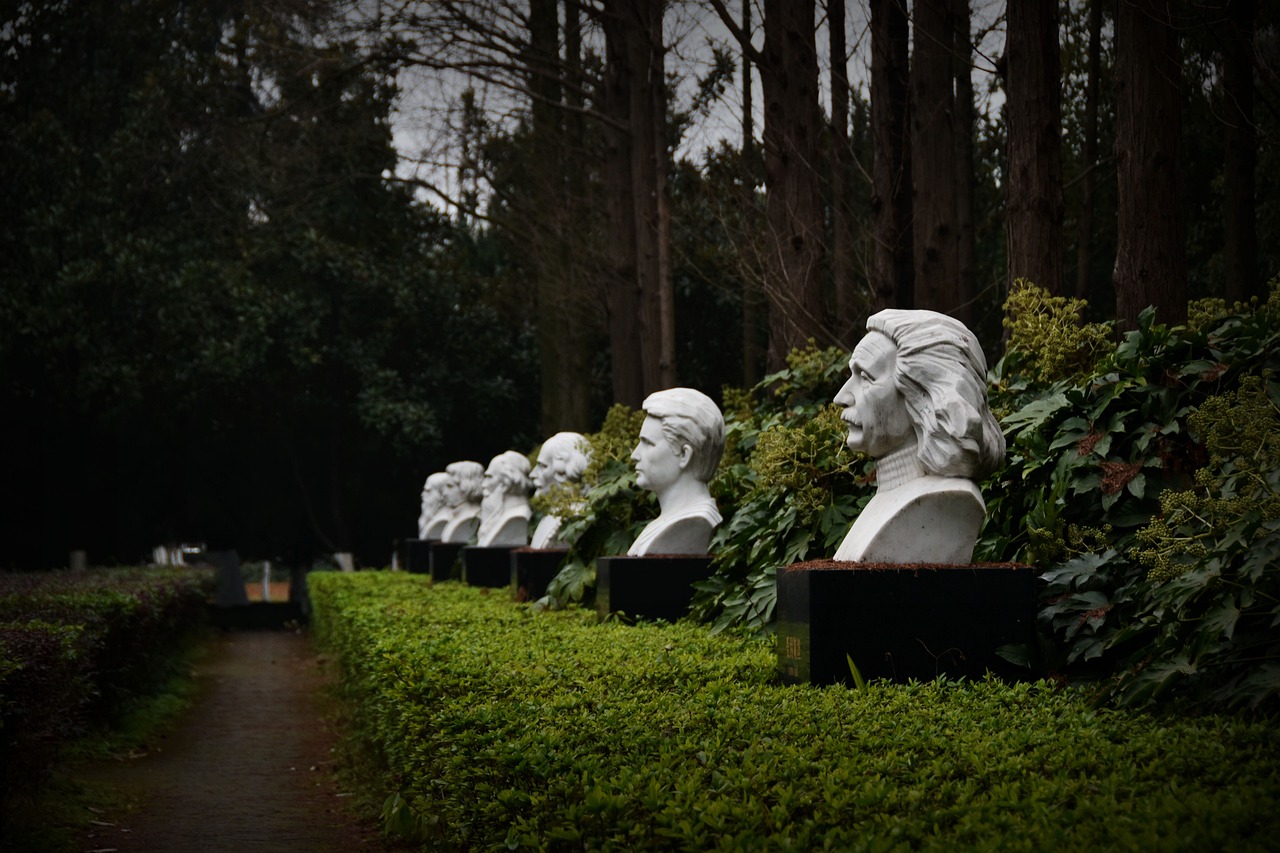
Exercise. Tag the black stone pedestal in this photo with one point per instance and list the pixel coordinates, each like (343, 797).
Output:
(444, 560)
(415, 555)
(655, 587)
(490, 566)
(902, 622)
(532, 569)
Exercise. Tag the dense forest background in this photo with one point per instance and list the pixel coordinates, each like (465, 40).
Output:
(236, 312)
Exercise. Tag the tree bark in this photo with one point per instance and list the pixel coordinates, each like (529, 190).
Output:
(893, 273)
(933, 160)
(967, 263)
(622, 292)
(1089, 180)
(793, 203)
(752, 298)
(1151, 264)
(846, 303)
(1240, 216)
(1034, 110)
(646, 119)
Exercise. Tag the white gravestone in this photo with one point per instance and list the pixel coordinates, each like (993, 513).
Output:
(504, 509)
(680, 445)
(916, 402)
(561, 462)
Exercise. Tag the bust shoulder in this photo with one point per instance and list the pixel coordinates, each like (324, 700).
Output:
(685, 532)
(927, 520)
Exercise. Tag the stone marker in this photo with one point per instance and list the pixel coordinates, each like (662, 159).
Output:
(899, 596)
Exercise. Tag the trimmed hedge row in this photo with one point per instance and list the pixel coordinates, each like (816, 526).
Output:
(76, 648)
(503, 727)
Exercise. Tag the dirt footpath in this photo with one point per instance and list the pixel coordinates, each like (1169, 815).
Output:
(247, 769)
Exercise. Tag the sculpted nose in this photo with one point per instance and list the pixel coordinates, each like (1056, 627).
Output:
(844, 397)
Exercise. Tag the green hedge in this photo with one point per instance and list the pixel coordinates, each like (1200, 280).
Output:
(501, 727)
(77, 649)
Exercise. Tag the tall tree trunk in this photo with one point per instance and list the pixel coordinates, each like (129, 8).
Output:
(967, 248)
(1240, 217)
(1089, 179)
(1035, 205)
(580, 317)
(893, 272)
(1151, 264)
(933, 160)
(543, 63)
(846, 303)
(751, 296)
(647, 123)
(793, 204)
(622, 292)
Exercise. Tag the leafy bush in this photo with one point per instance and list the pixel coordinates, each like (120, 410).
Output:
(1105, 448)
(77, 649)
(1100, 492)
(503, 728)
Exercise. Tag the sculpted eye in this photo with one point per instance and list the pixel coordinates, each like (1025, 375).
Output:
(865, 377)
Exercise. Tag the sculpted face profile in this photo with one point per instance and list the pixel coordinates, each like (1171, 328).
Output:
(680, 446)
(561, 461)
(504, 510)
(916, 402)
(435, 512)
(462, 494)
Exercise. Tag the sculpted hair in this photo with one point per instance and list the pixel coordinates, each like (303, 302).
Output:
(942, 375)
(512, 469)
(567, 451)
(469, 476)
(432, 495)
(690, 417)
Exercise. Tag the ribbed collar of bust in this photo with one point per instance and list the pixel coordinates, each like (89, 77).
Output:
(898, 468)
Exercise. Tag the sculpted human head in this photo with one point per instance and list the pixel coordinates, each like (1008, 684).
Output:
(562, 459)
(683, 434)
(508, 473)
(920, 377)
(433, 493)
(465, 483)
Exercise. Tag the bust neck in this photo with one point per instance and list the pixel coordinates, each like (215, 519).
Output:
(898, 468)
(683, 492)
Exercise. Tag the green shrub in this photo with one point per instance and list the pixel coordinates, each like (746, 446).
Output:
(1098, 470)
(500, 727)
(78, 649)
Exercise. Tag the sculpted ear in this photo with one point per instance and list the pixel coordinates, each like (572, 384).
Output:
(685, 456)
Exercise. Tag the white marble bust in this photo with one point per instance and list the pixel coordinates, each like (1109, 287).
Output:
(561, 462)
(462, 494)
(435, 512)
(681, 442)
(504, 509)
(916, 401)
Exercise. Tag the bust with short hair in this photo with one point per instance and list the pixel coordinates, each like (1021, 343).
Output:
(561, 462)
(504, 509)
(435, 512)
(916, 402)
(462, 494)
(680, 445)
